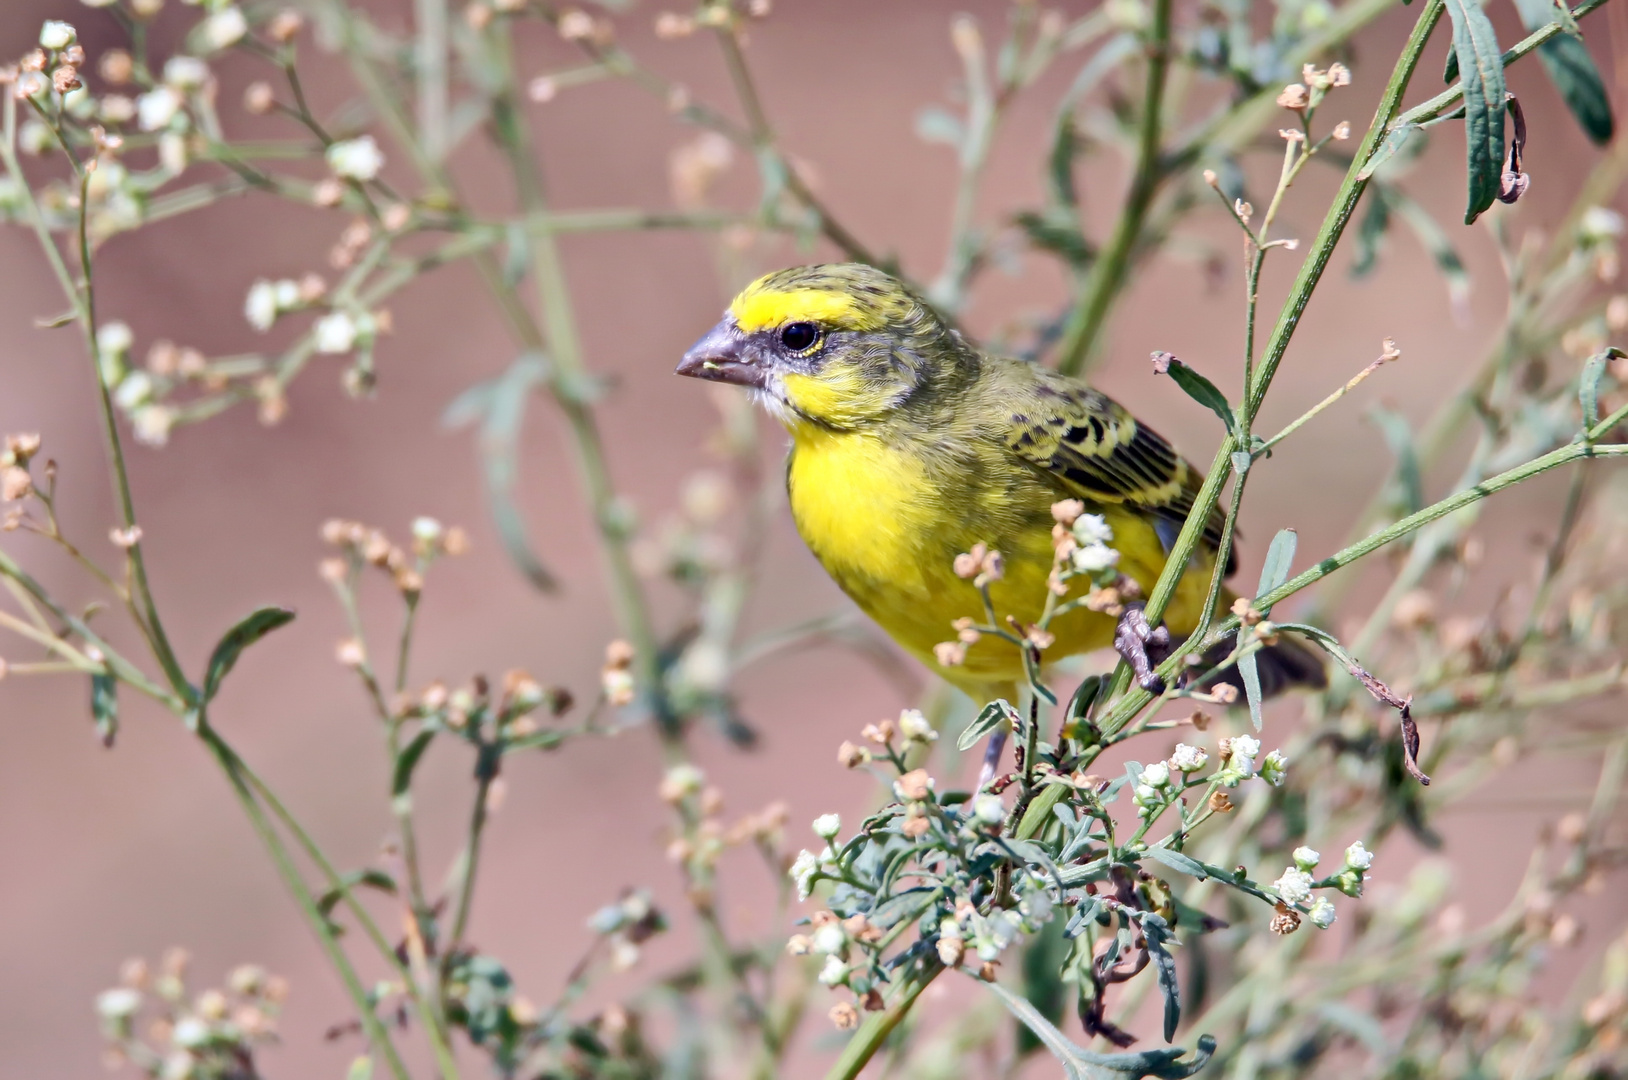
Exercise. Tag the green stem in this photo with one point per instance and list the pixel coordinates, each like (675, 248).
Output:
(865, 1042)
(1106, 276)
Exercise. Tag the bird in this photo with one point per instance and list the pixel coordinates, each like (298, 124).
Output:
(910, 447)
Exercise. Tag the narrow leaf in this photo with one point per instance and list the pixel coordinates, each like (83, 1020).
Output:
(1481, 69)
(1571, 69)
(1387, 148)
(936, 125)
(1065, 146)
(373, 879)
(1399, 435)
(1085, 696)
(1279, 558)
(1176, 860)
(1251, 672)
(406, 761)
(1588, 388)
(1157, 933)
(987, 721)
(104, 707)
(251, 629)
(1197, 387)
(1376, 222)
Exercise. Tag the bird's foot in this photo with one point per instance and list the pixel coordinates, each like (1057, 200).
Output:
(1142, 646)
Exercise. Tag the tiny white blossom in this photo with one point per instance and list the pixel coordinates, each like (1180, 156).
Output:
(1306, 858)
(152, 424)
(190, 1033)
(1322, 913)
(134, 389)
(156, 108)
(1092, 529)
(172, 152)
(335, 333)
(803, 869)
(1246, 745)
(98, 3)
(1188, 758)
(427, 530)
(1156, 775)
(356, 159)
(1600, 223)
(115, 337)
(288, 294)
(1294, 886)
(261, 306)
(1274, 768)
(1094, 558)
(1358, 857)
(988, 809)
(914, 726)
(827, 826)
(56, 34)
(225, 28)
(834, 973)
(830, 939)
(185, 72)
(118, 1004)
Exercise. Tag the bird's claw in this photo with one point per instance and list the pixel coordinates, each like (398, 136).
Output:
(1142, 646)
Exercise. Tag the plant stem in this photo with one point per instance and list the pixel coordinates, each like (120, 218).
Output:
(1106, 276)
(865, 1042)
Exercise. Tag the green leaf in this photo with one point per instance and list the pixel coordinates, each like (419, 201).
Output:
(104, 707)
(1065, 146)
(1157, 932)
(936, 125)
(1387, 148)
(1376, 221)
(1056, 231)
(1279, 558)
(1241, 460)
(499, 407)
(360, 1069)
(1571, 69)
(1080, 1064)
(1176, 860)
(1044, 961)
(1085, 696)
(1249, 668)
(1399, 435)
(251, 629)
(402, 776)
(1481, 68)
(372, 879)
(1200, 389)
(1588, 388)
(988, 720)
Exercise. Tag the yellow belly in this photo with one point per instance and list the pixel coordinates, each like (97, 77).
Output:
(887, 523)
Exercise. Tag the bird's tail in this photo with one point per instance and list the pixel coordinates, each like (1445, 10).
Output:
(1287, 665)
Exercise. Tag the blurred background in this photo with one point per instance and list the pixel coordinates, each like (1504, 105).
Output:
(109, 854)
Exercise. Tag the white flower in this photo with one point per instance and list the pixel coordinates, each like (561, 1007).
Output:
(426, 530)
(156, 108)
(830, 939)
(803, 870)
(56, 34)
(98, 3)
(1094, 558)
(1274, 768)
(988, 809)
(1036, 908)
(225, 27)
(1156, 775)
(31, 84)
(118, 1004)
(172, 152)
(1092, 529)
(185, 72)
(261, 306)
(356, 159)
(1358, 857)
(1188, 758)
(335, 333)
(1294, 886)
(288, 294)
(1600, 223)
(834, 973)
(1247, 746)
(914, 726)
(1306, 858)
(152, 424)
(992, 934)
(826, 827)
(134, 389)
(190, 1032)
(115, 338)
(1322, 913)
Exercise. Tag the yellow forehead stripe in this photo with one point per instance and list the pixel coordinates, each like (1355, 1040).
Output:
(756, 309)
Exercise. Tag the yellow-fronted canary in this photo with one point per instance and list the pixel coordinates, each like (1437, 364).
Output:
(909, 447)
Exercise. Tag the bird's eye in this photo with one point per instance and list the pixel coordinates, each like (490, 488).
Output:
(799, 336)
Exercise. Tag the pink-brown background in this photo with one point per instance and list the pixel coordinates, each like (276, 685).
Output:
(104, 855)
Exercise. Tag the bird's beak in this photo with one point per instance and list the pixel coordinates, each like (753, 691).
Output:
(721, 356)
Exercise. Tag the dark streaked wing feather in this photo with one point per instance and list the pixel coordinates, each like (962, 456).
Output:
(1102, 454)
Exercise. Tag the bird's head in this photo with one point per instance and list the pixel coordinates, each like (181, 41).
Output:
(839, 346)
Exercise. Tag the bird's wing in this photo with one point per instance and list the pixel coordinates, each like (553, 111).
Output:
(1100, 453)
